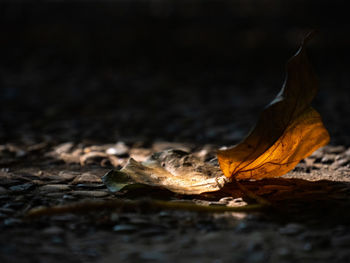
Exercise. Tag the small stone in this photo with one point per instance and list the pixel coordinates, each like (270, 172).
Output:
(152, 256)
(120, 149)
(328, 159)
(87, 178)
(54, 194)
(54, 188)
(291, 229)
(63, 148)
(91, 186)
(69, 197)
(341, 163)
(5, 170)
(335, 149)
(164, 214)
(21, 187)
(125, 229)
(226, 199)
(318, 154)
(162, 146)
(90, 193)
(62, 176)
(12, 221)
(53, 230)
(140, 221)
(140, 154)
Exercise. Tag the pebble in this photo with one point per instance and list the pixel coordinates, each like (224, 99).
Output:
(291, 229)
(152, 256)
(140, 221)
(237, 202)
(54, 188)
(243, 227)
(21, 187)
(140, 154)
(62, 176)
(335, 149)
(91, 186)
(12, 221)
(54, 194)
(162, 146)
(90, 193)
(69, 197)
(226, 199)
(87, 178)
(125, 229)
(340, 163)
(120, 149)
(53, 230)
(318, 154)
(63, 148)
(164, 214)
(328, 159)
(5, 170)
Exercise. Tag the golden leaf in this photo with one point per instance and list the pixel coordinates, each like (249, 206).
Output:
(288, 130)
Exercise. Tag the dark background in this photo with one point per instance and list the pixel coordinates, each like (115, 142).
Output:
(142, 71)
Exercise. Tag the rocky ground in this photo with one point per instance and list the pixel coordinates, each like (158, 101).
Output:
(309, 220)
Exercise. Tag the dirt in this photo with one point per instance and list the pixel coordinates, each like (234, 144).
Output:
(308, 222)
(76, 103)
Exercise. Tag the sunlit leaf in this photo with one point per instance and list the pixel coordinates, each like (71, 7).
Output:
(174, 170)
(288, 130)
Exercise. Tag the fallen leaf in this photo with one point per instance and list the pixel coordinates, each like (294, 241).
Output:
(288, 130)
(174, 170)
(116, 180)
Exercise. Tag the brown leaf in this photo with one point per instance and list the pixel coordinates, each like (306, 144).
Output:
(176, 171)
(288, 130)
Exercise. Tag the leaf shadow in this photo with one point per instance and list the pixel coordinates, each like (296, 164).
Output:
(291, 199)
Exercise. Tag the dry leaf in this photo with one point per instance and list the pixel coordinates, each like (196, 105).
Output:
(174, 170)
(288, 130)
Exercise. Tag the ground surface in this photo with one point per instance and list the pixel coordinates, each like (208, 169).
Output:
(82, 91)
(309, 221)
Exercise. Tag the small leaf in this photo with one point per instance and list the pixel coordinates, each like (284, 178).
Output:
(176, 171)
(288, 130)
(116, 180)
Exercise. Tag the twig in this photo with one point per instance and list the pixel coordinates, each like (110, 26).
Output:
(138, 204)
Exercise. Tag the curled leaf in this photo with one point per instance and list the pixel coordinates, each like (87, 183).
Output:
(288, 130)
(174, 170)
